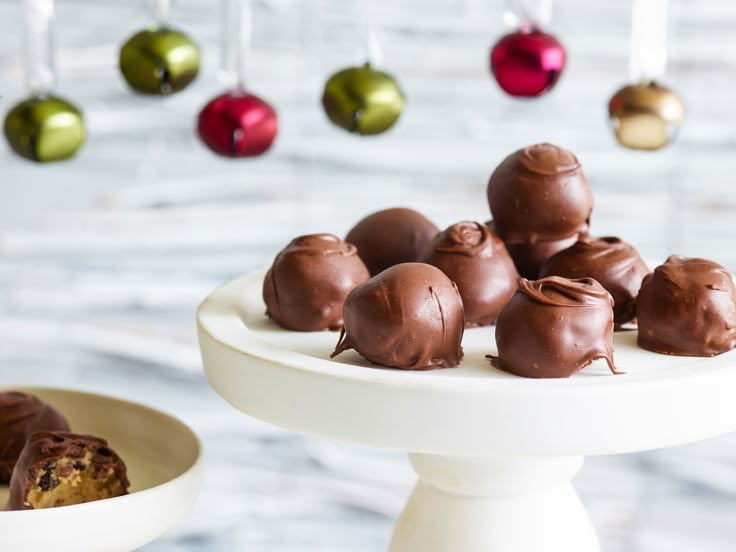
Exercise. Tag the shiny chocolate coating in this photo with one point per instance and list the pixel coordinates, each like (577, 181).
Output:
(408, 316)
(554, 327)
(477, 261)
(539, 193)
(612, 262)
(305, 288)
(687, 307)
(43, 452)
(392, 236)
(21, 415)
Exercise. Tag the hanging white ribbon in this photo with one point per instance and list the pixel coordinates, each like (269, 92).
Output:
(39, 15)
(372, 52)
(648, 48)
(236, 38)
(161, 12)
(528, 13)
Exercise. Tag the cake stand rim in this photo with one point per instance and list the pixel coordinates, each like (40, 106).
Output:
(598, 396)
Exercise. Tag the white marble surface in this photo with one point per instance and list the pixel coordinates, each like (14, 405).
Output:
(103, 259)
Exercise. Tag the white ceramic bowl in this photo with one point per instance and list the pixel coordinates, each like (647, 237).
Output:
(164, 467)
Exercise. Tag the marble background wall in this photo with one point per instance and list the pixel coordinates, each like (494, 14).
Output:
(103, 259)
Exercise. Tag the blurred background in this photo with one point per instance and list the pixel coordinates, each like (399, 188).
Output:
(104, 258)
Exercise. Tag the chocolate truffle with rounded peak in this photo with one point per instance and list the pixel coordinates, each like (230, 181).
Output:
(60, 469)
(539, 193)
(554, 327)
(610, 261)
(408, 316)
(305, 288)
(687, 307)
(477, 261)
(21, 415)
(392, 236)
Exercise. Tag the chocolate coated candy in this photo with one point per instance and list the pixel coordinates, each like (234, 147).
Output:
(539, 193)
(305, 288)
(477, 261)
(408, 316)
(392, 236)
(615, 264)
(554, 327)
(687, 307)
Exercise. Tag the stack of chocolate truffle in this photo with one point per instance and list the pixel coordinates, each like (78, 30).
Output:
(45, 464)
(402, 292)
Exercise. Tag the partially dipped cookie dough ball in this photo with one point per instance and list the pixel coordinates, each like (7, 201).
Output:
(409, 316)
(305, 288)
(21, 415)
(477, 261)
(687, 307)
(62, 469)
(392, 236)
(612, 262)
(554, 327)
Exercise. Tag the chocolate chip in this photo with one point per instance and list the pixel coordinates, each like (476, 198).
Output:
(47, 482)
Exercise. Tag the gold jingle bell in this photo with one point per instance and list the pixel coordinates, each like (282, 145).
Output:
(44, 129)
(645, 116)
(159, 61)
(363, 100)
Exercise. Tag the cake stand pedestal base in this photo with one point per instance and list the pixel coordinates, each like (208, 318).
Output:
(497, 504)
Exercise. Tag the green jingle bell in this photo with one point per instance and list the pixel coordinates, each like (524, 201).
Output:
(363, 100)
(159, 61)
(44, 129)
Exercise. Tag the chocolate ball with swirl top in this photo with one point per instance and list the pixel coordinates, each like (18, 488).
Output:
(305, 288)
(539, 193)
(392, 236)
(477, 261)
(554, 327)
(687, 307)
(409, 316)
(21, 415)
(610, 261)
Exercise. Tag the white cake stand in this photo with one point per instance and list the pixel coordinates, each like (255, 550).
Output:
(495, 453)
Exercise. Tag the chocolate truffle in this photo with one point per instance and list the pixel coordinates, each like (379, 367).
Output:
(307, 285)
(21, 415)
(615, 264)
(392, 236)
(408, 316)
(554, 327)
(61, 469)
(687, 307)
(539, 193)
(477, 261)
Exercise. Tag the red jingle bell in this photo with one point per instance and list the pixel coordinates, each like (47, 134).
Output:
(237, 124)
(527, 63)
